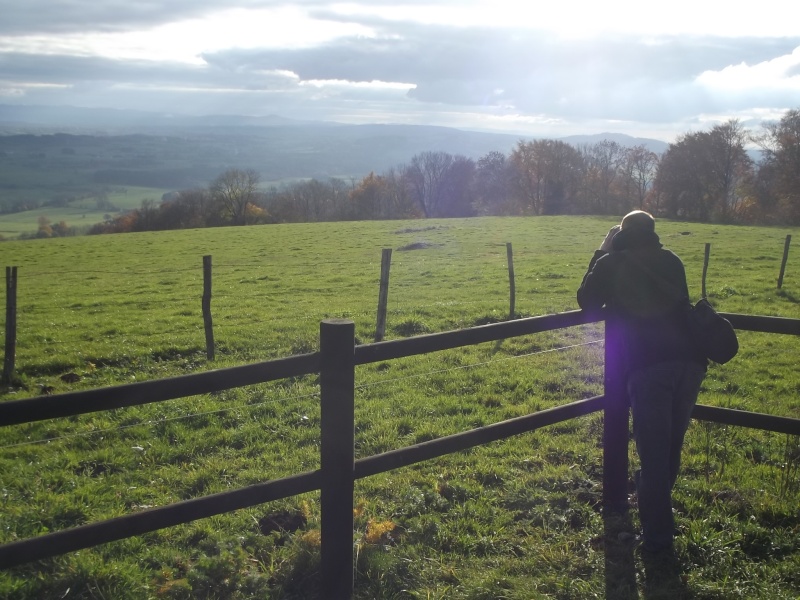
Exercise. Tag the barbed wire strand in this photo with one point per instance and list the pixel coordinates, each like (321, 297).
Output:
(248, 407)
(155, 422)
(269, 261)
(185, 336)
(473, 365)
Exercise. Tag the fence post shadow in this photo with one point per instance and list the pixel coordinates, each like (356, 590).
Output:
(618, 547)
(620, 570)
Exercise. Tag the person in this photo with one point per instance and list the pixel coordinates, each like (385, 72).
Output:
(643, 286)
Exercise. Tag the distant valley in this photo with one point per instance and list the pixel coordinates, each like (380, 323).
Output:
(52, 156)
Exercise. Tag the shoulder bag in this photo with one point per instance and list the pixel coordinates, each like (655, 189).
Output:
(711, 332)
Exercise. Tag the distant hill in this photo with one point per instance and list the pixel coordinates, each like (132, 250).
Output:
(48, 153)
(387, 144)
(139, 148)
(95, 121)
(656, 146)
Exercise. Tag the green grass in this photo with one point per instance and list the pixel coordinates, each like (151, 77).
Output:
(516, 519)
(81, 213)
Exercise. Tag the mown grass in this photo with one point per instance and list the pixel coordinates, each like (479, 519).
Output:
(517, 519)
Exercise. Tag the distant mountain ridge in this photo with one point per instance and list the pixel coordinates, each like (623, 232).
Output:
(127, 147)
(657, 146)
(111, 121)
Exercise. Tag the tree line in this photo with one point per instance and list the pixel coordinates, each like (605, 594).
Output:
(706, 176)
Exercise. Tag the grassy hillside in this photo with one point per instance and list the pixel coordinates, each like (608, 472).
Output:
(517, 519)
(82, 212)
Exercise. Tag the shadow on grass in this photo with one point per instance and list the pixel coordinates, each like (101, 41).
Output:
(620, 564)
(789, 296)
(662, 572)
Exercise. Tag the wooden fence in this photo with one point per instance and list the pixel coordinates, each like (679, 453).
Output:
(335, 363)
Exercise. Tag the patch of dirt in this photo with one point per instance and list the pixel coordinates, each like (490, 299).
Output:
(418, 246)
(418, 229)
(284, 522)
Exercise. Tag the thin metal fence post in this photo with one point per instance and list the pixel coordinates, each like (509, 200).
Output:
(337, 391)
(615, 426)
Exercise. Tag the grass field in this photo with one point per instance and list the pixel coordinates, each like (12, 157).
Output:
(82, 213)
(517, 519)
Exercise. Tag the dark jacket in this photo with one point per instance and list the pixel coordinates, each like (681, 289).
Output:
(644, 288)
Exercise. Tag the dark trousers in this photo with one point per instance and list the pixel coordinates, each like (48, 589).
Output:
(662, 397)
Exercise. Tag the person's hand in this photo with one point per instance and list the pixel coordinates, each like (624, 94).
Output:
(606, 245)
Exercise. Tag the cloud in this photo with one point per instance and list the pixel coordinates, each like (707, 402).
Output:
(517, 70)
(453, 63)
(65, 16)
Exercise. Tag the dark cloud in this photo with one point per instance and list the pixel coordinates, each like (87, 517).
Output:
(19, 17)
(79, 70)
(80, 16)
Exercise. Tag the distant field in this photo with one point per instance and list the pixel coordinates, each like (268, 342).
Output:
(516, 519)
(79, 213)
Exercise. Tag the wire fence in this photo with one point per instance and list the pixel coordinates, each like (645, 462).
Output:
(92, 310)
(97, 314)
(282, 400)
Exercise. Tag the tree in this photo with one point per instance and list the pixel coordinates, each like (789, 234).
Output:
(731, 168)
(779, 173)
(493, 177)
(457, 189)
(233, 190)
(148, 213)
(400, 204)
(602, 164)
(638, 172)
(187, 209)
(706, 175)
(369, 198)
(61, 229)
(44, 231)
(547, 174)
(426, 180)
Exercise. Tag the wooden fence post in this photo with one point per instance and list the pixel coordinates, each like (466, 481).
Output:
(11, 325)
(785, 258)
(705, 269)
(337, 391)
(383, 294)
(615, 425)
(511, 284)
(207, 307)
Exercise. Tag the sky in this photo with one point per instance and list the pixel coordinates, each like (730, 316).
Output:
(546, 69)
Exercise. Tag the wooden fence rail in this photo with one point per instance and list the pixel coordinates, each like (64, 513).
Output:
(335, 363)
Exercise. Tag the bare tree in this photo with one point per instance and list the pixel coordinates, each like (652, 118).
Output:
(779, 172)
(731, 167)
(639, 171)
(493, 178)
(547, 176)
(426, 180)
(234, 190)
(602, 163)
